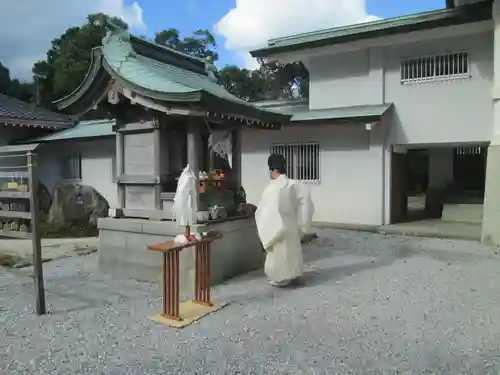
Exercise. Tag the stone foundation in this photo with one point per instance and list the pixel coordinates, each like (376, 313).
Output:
(123, 253)
(491, 210)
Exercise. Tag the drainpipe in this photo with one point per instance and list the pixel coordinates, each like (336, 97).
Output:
(385, 140)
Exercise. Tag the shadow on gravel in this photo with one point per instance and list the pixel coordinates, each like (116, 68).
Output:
(316, 277)
(313, 253)
(332, 274)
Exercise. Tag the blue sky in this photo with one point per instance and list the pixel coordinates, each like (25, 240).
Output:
(189, 15)
(247, 26)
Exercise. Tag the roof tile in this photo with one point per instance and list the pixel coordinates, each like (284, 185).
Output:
(14, 111)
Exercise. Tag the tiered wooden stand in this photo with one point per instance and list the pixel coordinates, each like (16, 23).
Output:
(175, 313)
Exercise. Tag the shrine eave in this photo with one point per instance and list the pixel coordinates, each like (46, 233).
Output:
(14, 112)
(118, 66)
(90, 92)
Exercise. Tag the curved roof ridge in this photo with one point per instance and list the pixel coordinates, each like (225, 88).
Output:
(95, 60)
(157, 51)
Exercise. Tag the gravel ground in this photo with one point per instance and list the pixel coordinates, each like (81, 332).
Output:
(371, 304)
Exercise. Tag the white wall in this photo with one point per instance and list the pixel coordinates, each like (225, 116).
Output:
(347, 79)
(97, 167)
(456, 111)
(97, 158)
(351, 167)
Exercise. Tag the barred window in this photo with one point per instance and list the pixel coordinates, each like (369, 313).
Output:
(302, 160)
(469, 150)
(71, 167)
(433, 68)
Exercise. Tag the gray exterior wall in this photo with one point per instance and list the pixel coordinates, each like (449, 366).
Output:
(452, 111)
(97, 159)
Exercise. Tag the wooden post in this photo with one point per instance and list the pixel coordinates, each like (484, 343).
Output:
(120, 168)
(236, 157)
(193, 146)
(35, 234)
(156, 161)
(202, 294)
(193, 151)
(171, 284)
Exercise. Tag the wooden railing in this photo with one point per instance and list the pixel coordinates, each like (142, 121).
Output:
(174, 312)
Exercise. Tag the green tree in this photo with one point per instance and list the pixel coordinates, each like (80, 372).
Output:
(271, 81)
(243, 83)
(14, 88)
(4, 79)
(68, 58)
(201, 44)
(288, 81)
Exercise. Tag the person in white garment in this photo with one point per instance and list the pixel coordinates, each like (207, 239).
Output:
(305, 209)
(278, 226)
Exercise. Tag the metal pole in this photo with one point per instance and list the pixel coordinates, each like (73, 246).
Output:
(37, 82)
(35, 235)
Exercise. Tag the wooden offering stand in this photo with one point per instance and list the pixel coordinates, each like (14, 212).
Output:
(175, 313)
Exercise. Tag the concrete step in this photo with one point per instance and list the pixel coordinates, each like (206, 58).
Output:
(463, 213)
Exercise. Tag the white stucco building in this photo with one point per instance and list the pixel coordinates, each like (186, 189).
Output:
(377, 91)
(84, 153)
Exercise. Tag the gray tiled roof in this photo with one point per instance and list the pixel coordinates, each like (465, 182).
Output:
(17, 112)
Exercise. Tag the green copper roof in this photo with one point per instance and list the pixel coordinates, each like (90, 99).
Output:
(83, 129)
(299, 109)
(360, 113)
(165, 80)
(161, 74)
(285, 106)
(428, 20)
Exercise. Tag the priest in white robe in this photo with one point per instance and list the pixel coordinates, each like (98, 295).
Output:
(278, 226)
(305, 209)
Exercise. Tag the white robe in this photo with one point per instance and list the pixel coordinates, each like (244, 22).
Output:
(305, 209)
(279, 232)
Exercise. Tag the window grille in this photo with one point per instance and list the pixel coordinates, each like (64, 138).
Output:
(302, 160)
(71, 168)
(469, 150)
(434, 68)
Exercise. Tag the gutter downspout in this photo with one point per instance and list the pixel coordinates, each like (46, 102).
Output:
(385, 139)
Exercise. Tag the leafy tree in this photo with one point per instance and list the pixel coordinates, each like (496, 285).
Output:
(288, 81)
(69, 57)
(246, 84)
(270, 81)
(4, 79)
(201, 44)
(14, 88)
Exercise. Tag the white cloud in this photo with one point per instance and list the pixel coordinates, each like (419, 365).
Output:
(28, 26)
(252, 22)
